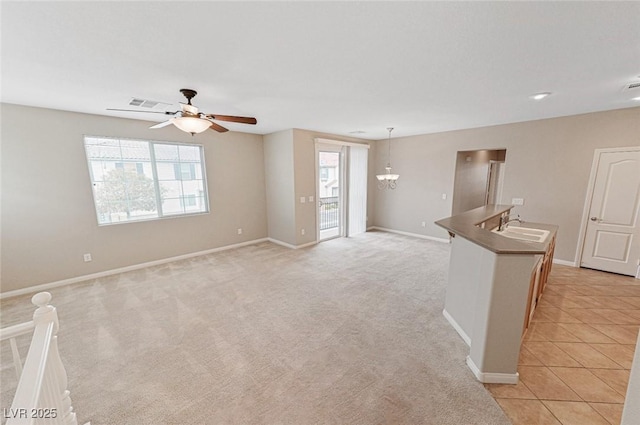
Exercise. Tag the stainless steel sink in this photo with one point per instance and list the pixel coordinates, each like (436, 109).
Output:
(523, 233)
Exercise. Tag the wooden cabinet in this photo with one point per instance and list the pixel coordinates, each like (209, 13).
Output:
(546, 264)
(532, 299)
(539, 277)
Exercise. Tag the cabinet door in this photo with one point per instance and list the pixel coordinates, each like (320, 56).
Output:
(546, 265)
(532, 300)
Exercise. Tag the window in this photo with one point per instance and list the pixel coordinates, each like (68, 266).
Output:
(142, 180)
(324, 174)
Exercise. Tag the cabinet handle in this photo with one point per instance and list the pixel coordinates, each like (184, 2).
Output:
(595, 219)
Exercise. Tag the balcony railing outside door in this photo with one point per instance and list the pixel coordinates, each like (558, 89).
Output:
(329, 212)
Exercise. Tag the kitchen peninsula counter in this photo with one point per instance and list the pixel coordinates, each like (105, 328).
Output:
(493, 287)
(469, 226)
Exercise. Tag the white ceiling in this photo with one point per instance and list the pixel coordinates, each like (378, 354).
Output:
(335, 67)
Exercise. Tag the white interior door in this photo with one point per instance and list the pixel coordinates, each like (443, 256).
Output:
(612, 237)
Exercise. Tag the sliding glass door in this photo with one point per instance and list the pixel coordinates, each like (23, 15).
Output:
(341, 189)
(330, 190)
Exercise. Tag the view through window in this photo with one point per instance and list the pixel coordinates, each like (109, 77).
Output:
(142, 180)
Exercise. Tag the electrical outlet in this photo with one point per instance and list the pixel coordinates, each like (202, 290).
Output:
(424, 224)
(87, 258)
(517, 201)
(239, 231)
(302, 232)
(444, 196)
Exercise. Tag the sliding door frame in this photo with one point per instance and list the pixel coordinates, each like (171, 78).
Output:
(344, 183)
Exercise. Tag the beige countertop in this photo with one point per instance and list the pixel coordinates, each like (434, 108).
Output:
(467, 226)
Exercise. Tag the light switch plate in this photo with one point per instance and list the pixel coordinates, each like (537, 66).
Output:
(517, 201)
(310, 198)
(303, 199)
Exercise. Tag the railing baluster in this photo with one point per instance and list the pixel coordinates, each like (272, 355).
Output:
(17, 362)
(65, 412)
(329, 209)
(11, 333)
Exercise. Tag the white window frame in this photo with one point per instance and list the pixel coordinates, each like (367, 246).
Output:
(156, 181)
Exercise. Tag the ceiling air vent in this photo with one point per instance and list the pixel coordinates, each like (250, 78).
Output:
(149, 104)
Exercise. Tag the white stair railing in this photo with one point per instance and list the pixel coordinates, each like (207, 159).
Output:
(11, 333)
(41, 396)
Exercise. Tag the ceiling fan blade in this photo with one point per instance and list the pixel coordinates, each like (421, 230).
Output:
(148, 112)
(162, 124)
(231, 118)
(218, 128)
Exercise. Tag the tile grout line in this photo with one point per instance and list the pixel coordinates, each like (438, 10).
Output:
(555, 317)
(610, 358)
(585, 366)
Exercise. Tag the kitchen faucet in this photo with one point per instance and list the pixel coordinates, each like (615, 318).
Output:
(504, 222)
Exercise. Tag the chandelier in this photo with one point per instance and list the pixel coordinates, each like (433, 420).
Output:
(388, 180)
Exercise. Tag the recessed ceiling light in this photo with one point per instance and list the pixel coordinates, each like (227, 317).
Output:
(637, 99)
(539, 96)
(357, 132)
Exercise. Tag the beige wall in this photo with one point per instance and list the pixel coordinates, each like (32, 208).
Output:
(471, 179)
(304, 154)
(631, 410)
(290, 175)
(305, 180)
(548, 164)
(48, 215)
(279, 172)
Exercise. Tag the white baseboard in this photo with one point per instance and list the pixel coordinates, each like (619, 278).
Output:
(304, 245)
(492, 378)
(51, 285)
(457, 327)
(574, 264)
(564, 263)
(288, 245)
(415, 235)
(279, 242)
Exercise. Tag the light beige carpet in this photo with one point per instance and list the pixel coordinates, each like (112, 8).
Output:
(346, 332)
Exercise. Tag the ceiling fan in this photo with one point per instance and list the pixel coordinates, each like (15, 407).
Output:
(190, 120)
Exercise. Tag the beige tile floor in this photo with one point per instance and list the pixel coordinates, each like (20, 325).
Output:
(576, 355)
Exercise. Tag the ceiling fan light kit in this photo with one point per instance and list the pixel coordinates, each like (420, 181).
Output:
(191, 125)
(190, 120)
